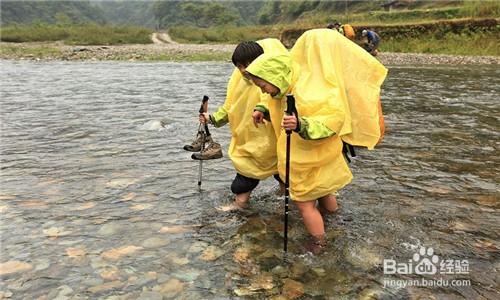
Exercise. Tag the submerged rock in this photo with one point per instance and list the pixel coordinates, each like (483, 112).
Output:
(197, 247)
(153, 125)
(170, 288)
(77, 253)
(55, 232)
(241, 254)
(154, 242)
(110, 229)
(177, 229)
(298, 269)
(244, 291)
(128, 197)
(147, 295)
(14, 266)
(115, 254)
(121, 182)
(363, 258)
(106, 287)
(292, 289)
(85, 206)
(181, 261)
(188, 275)
(138, 207)
(320, 272)
(262, 282)
(211, 253)
(42, 264)
(110, 274)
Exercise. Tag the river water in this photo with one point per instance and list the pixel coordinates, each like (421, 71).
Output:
(99, 201)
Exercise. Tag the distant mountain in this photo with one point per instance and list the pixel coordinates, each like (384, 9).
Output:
(126, 12)
(27, 12)
(162, 14)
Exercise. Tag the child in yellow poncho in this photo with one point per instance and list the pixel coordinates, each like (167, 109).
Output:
(252, 149)
(314, 73)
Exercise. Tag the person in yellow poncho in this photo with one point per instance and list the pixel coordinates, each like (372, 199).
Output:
(252, 149)
(314, 73)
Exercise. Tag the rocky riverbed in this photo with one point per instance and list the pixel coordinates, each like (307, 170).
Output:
(195, 52)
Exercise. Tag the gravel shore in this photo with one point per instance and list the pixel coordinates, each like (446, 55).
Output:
(179, 52)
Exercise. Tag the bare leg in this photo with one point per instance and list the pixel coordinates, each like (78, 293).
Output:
(242, 199)
(315, 226)
(328, 204)
(311, 217)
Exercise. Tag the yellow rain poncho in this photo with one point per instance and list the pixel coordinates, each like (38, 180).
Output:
(314, 75)
(328, 60)
(252, 149)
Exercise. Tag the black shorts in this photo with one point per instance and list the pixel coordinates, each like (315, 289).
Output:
(242, 184)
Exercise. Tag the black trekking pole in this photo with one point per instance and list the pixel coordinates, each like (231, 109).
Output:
(290, 109)
(204, 133)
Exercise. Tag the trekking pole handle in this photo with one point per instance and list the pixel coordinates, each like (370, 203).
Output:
(204, 105)
(290, 108)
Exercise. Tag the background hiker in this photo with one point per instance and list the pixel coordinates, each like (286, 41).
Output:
(252, 149)
(317, 80)
(346, 29)
(372, 41)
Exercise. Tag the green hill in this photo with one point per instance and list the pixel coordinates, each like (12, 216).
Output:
(29, 12)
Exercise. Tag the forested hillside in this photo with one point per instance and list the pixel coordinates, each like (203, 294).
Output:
(29, 12)
(162, 14)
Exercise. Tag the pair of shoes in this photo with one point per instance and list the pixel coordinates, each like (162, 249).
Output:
(316, 245)
(196, 144)
(213, 151)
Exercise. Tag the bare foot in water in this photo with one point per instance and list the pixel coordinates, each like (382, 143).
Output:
(316, 245)
(239, 203)
(233, 206)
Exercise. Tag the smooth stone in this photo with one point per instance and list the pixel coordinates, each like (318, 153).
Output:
(117, 253)
(154, 242)
(241, 255)
(279, 271)
(121, 182)
(187, 275)
(5, 294)
(292, 289)
(298, 269)
(162, 278)
(147, 295)
(110, 229)
(64, 290)
(363, 258)
(181, 261)
(197, 247)
(320, 272)
(143, 280)
(42, 264)
(14, 266)
(105, 287)
(170, 288)
(98, 262)
(211, 253)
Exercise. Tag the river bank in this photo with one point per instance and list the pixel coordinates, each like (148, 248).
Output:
(195, 52)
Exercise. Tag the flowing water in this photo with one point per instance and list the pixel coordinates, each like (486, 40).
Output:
(99, 201)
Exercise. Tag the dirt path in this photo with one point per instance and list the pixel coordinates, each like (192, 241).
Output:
(159, 38)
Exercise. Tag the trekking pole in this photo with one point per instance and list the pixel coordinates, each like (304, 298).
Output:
(290, 109)
(204, 133)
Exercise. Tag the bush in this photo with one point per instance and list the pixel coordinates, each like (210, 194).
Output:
(86, 34)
